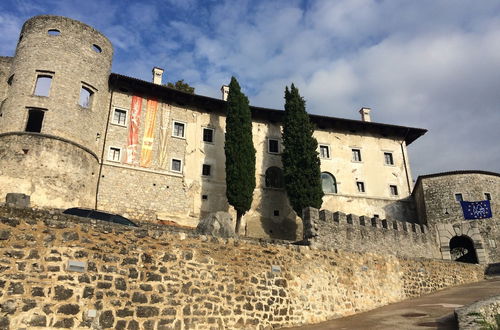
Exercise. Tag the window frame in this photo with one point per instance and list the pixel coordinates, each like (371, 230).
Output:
(172, 163)
(92, 92)
(113, 117)
(456, 197)
(269, 180)
(43, 74)
(184, 124)
(269, 139)
(393, 190)
(120, 153)
(335, 183)
(362, 185)
(209, 170)
(327, 146)
(28, 110)
(203, 134)
(391, 156)
(356, 151)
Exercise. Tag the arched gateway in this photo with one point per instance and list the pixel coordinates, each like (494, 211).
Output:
(461, 242)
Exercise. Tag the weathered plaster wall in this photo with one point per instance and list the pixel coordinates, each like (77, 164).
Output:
(327, 230)
(270, 214)
(53, 172)
(5, 63)
(149, 278)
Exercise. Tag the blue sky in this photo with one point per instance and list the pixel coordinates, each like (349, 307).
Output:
(433, 64)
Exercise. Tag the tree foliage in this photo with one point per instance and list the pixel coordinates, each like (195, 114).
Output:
(301, 164)
(181, 86)
(240, 152)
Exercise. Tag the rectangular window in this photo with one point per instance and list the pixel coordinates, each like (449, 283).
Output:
(35, 120)
(208, 135)
(176, 165)
(206, 169)
(388, 158)
(114, 154)
(459, 197)
(119, 117)
(361, 186)
(324, 151)
(42, 86)
(179, 129)
(356, 155)
(86, 97)
(273, 146)
(394, 190)
(487, 196)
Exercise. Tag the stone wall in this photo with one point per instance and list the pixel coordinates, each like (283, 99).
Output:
(52, 171)
(437, 207)
(471, 316)
(152, 278)
(327, 230)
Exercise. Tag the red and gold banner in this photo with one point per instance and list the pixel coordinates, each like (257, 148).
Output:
(149, 130)
(133, 132)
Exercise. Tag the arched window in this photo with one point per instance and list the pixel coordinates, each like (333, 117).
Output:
(328, 183)
(274, 177)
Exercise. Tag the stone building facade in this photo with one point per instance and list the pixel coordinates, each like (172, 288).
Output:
(437, 198)
(74, 134)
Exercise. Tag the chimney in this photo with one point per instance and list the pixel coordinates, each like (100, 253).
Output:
(225, 92)
(157, 75)
(365, 114)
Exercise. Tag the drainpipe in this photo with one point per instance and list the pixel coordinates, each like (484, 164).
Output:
(404, 161)
(103, 149)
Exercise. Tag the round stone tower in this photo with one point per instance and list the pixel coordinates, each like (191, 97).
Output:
(55, 112)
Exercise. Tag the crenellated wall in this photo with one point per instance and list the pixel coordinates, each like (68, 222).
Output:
(327, 230)
(155, 278)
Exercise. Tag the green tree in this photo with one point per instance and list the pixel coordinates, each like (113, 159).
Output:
(240, 152)
(181, 86)
(301, 164)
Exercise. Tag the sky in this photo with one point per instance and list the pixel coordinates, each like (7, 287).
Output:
(432, 64)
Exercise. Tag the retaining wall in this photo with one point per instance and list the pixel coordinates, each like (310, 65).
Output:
(152, 278)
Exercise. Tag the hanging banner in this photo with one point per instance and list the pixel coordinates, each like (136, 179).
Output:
(476, 210)
(133, 132)
(149, 130)
(164, 129)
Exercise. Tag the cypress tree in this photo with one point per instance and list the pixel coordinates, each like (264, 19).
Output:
(240, 152)
(301, 164)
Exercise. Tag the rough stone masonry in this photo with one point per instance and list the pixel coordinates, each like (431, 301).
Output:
(152, 278)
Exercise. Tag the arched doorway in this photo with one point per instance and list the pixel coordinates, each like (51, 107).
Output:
(462, 249)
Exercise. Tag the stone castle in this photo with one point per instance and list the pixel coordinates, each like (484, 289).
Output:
(74, 134)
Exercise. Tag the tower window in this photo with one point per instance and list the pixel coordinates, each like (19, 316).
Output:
(274, 177)
(54, 32)
(35, 120)
(42, 85)
(86, 96)
(487, 196)
(459, 197)
(96, 48)
(328, 183)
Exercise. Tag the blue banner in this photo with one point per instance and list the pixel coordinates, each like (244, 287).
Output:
(476, 210)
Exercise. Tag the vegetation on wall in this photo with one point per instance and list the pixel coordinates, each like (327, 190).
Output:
(301, 164)
(240, 152)
(181, 86)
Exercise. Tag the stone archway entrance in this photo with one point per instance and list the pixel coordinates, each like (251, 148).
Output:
(462, 250)
(461, 236)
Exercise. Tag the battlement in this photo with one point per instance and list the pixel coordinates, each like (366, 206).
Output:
(326, 229)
